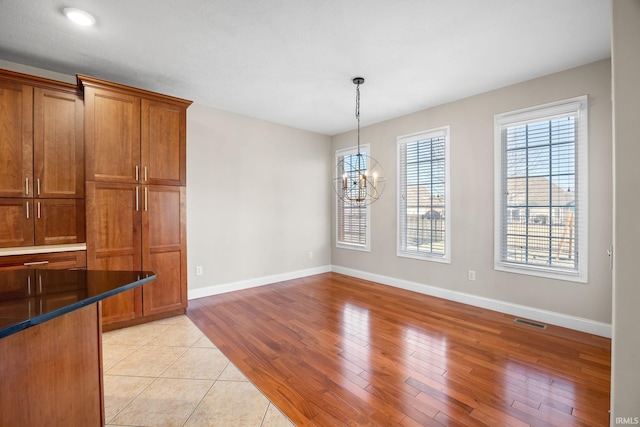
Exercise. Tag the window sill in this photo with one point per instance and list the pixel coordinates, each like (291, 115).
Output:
(353, 247)
(435, 258)
(548, 273)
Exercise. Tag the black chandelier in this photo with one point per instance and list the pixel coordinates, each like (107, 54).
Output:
(359, 179)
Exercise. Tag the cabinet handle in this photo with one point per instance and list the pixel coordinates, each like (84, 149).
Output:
(27, 210)
(137, 209)
(26, 185)
(38, 182)
(145, 174)
(38, 210)
(36, 263)
(29, 285)
(40, 281)
(146, 199)
(137, 173)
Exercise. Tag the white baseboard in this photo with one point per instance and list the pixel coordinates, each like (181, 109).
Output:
(545, 316)
(252, 283)
(532, 313)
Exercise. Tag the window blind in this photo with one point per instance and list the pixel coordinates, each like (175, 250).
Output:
(423, 194)
(542, 183)
(352, 222)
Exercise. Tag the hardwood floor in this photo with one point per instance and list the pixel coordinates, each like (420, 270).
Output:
(333, 350)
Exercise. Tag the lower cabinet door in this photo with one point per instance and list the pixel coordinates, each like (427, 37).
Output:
(122, 307)
(164, 248)
(114, 242)
(59, 221)
(16, 222)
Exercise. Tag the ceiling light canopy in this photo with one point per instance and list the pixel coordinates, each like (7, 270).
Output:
(359, 179)
(78, 16)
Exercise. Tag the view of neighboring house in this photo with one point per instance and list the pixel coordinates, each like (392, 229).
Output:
(545, 212)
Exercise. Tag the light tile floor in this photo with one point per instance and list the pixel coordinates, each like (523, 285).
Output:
(168, 373)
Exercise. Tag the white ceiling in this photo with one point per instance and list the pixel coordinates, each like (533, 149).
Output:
(292, 61)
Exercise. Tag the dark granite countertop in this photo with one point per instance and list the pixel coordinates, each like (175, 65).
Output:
(33, 296)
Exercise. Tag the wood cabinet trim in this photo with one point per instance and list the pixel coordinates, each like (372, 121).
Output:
(40, 82)
(86, 81)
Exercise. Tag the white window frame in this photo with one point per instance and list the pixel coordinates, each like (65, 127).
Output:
(366, 247)
(401, 232)
(579, 106)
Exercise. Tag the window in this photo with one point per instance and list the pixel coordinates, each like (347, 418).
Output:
(541, 190)
(423, 194)
(352, 222)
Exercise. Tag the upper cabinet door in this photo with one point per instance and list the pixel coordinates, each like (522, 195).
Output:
(16, 139)
(163, 143)
(58, 144)
(112, 136)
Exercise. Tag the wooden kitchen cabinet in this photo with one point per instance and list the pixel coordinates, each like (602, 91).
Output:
(163, 143)
(16, 222)
(135, 193)
(50, 260)
(58, 144)
(114, 242)
(59, 221)
(16, 138)
(112, 138)
(42, 157)
(139, 227)
(28, 222)
(22, 274)
(41, 143)
(164, 248)
(132, 135)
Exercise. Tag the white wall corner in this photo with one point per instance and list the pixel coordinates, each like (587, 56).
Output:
(532, 313)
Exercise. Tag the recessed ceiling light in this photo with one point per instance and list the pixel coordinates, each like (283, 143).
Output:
(78, 16)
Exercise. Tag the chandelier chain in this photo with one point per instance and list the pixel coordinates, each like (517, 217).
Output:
(358, 112)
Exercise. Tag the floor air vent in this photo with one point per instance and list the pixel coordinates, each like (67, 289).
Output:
(530, 323)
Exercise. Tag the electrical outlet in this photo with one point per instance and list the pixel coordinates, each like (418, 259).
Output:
(199, 270)
(472, 275)
(310, 254)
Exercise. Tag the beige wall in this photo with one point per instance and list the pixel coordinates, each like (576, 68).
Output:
(625, 391)
(257, 198)
(472, 198)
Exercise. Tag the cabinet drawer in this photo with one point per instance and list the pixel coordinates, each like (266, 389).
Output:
(52, 260)
(23, 281)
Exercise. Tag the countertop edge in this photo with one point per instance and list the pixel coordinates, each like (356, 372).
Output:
(20, 326)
